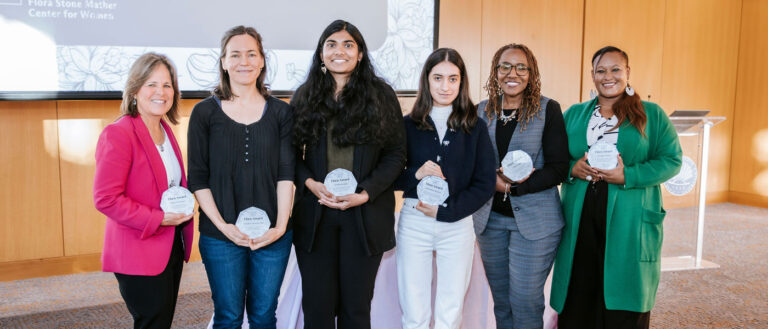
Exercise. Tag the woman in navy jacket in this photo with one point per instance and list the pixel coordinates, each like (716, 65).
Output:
(444, 139)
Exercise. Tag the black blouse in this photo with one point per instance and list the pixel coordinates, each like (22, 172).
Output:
(241, 164)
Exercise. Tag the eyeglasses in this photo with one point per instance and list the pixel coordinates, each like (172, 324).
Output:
(520, 69)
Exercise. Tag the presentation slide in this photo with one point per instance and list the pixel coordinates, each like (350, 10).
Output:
(72, 47)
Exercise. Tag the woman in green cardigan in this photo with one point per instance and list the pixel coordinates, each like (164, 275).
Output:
(608, 263)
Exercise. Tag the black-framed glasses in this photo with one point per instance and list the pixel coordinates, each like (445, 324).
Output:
(520, 68)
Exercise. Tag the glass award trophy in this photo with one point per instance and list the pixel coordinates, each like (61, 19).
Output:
(603, 155)
(253, 221)
(177, 200)
(340, 182)
(517, 165)
(432, 190)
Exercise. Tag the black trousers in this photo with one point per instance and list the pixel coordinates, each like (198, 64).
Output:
(152, 299)
(338, 276)
(585, 302)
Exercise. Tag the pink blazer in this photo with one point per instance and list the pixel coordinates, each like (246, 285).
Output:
(127, 188)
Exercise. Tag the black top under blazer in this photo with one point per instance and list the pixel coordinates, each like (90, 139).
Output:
(375, 167)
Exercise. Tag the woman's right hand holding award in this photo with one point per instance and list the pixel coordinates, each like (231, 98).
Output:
(584, 171)
(429, 168)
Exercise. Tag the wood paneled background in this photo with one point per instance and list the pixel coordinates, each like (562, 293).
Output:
(684, 54)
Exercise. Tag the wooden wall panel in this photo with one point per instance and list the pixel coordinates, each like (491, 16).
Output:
(699, 70)
(638, 29)
(749, 159)
(552, 29)
(30, 199)
(460, 28)
(80, 123)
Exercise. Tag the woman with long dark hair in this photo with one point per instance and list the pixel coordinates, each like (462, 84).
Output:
(519, 236)
(608, 263)
(346, 118)
(445, 140)
(241, 158)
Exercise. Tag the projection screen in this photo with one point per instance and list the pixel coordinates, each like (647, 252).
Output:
(74, 49)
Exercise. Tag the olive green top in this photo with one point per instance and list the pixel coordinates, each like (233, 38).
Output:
(338, 156)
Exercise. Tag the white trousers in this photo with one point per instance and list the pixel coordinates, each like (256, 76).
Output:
(418, 236)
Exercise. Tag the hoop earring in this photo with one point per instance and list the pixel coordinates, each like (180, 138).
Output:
(629, 90)
(322, 68)
(133, 102)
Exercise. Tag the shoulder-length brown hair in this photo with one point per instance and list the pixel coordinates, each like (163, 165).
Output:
(464, 113)
(224, 90)
(531, 105)
(627, 107)
(140, 71)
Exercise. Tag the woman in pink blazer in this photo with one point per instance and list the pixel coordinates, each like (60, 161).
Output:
(137, 159)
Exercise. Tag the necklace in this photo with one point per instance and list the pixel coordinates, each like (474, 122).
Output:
(507, 118)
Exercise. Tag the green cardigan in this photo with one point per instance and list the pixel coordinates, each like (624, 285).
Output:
(634, 214)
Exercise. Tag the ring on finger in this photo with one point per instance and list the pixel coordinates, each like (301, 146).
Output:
(589, 178)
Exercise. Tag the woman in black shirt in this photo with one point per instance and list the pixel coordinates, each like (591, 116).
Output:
(240, 157)
(346, 118)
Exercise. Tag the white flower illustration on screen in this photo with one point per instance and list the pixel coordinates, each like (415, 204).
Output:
(272, 66)
(85, 68)
(408, 42)
(297, 76)
(203, 69)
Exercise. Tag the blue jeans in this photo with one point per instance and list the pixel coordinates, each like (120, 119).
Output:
(241, 278)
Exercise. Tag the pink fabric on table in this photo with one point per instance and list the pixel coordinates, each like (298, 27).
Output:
(385, 307)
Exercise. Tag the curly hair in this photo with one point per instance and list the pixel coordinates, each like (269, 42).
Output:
(531, 105)
(363, 109)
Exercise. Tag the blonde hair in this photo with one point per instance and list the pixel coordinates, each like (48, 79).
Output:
(139, 74)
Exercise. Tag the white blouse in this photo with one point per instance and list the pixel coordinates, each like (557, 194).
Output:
(171, 163)
(599, 128)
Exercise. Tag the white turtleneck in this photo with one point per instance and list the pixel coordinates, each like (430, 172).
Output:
(439, 115)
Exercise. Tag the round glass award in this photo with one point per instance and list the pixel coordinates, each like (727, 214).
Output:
(684, 182)
(517, 165)
(253, 221)
(177, 200)
(340, 182)
(603, 155)
(432, 190)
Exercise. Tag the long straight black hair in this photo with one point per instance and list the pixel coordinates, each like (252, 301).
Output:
(363, 110)
(464, 113)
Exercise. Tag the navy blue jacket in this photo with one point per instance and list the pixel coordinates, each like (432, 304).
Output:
(467, 161)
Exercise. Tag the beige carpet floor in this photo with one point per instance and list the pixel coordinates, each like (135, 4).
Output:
(732, 296)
